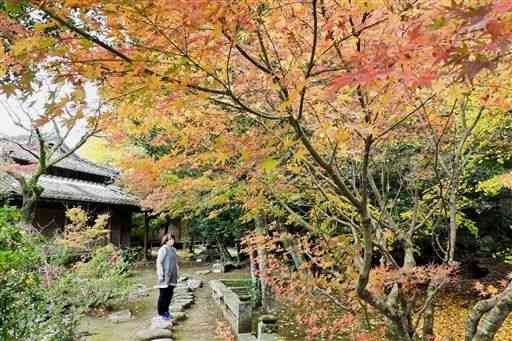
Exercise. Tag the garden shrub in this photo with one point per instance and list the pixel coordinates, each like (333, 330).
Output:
(97, 282)
(26, 308)
(45, 285)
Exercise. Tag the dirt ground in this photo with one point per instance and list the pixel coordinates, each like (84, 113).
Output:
(199, 326)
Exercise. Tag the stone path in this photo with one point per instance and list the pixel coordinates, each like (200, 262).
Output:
(200, 324)
(202, 321)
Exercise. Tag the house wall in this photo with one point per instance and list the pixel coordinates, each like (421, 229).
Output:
(51, 219)
(120, 225)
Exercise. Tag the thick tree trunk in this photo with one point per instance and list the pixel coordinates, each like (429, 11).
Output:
(488, 316)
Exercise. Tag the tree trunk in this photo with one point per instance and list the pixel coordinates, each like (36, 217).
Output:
(428, 323)
(291, 246)
(488, 316)
(266, 293)
(146, 228)
(30, 197)
(452, 233)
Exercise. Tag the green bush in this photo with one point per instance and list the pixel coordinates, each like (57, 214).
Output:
(44, 290)
(94, 283)
(26, 309)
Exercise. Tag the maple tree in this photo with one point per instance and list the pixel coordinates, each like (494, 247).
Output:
(330, 85)
(45, 142)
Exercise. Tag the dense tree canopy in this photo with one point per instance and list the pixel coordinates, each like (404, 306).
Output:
(362, 113)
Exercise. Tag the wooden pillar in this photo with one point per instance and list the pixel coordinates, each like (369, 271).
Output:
(146, 227)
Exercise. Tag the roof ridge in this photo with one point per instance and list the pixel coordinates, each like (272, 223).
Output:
(82, 181)
(111, 169)
(72, 179)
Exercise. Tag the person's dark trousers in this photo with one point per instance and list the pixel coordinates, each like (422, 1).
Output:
(164, 300)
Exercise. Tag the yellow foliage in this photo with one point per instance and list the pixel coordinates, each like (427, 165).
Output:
(79, 235)
(451, 314)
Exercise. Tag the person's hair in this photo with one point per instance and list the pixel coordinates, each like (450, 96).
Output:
(168, 237)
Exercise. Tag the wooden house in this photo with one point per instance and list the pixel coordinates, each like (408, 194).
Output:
(73, 182)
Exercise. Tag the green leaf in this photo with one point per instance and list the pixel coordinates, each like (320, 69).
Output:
(269, 164)
(437, 24)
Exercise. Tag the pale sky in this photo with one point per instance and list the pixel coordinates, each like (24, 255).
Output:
(13, 104)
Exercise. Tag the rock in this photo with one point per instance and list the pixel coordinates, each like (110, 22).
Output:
(138, 293)
(152, 334)
(184, 303)
(202, 272)
(120, 316)
(179, 316)
(182, 298)
(176, 309)
(182, 291)
(183, 278)
(217, 267)
(166, 339)
(194, 284)
(246, 337)
(158, 323)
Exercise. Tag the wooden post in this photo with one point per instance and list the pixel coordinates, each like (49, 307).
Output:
(146, 223)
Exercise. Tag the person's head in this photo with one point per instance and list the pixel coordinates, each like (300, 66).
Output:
(168, 239)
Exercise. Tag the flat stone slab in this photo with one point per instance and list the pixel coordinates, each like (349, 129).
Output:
(158, 323)
(183, 298)
(185, 303)
(179, 316)
(202, 272)
(152, 334)
(176, 309)
(179, 290)
(194, 284)
(217, 268)
(140, 292)
(120, 316)
(247, 337)
(183, 278)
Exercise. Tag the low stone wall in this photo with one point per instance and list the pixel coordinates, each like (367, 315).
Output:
(235, 303)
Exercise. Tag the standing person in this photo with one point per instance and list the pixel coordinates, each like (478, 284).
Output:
(167, 273)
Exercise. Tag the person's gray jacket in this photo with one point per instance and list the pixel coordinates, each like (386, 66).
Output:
(167, 267)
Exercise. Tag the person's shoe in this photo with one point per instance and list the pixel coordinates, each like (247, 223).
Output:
(165, 317)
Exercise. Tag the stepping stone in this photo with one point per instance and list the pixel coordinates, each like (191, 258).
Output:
(176, 309)
(183, 278)
(138, 293)
(246, 337)
(184, 303)
(194, 284)
(157, 323)
(202, 272)
(182, 291)
(120, 316)
(183, 294)
(183, 298)
(152, 334)
(218, 268)
(179, 316)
